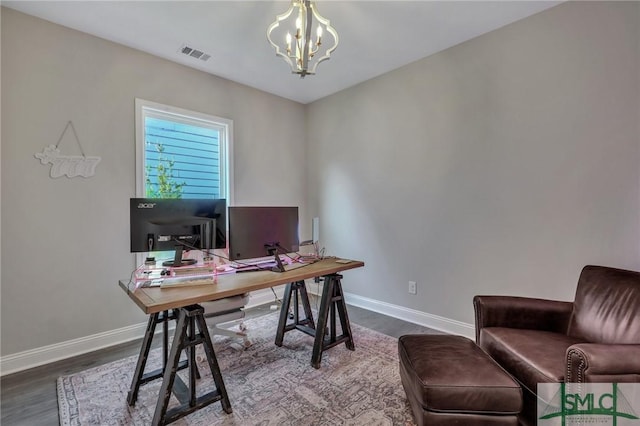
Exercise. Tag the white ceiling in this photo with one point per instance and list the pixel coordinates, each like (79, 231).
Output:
(375, 36)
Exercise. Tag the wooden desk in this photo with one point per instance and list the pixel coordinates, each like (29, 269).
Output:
(155, 299)
(181, 304)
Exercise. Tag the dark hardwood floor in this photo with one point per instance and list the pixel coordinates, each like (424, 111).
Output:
(29, 397)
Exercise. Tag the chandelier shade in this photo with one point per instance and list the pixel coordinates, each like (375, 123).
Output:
(302, 37)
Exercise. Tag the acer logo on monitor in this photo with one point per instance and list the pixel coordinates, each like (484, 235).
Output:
(146, 205)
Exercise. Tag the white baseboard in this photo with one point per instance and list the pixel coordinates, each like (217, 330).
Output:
(56, 352)
(46, 354)
(424, 319)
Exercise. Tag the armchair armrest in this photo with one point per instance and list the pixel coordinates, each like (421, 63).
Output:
(521, 312)
(603, 362)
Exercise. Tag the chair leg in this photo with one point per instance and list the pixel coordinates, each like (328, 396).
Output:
(241, 333)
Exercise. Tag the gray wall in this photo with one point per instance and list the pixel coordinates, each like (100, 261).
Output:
(65, 242)
(501, 165)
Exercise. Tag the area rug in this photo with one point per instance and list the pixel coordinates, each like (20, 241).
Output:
(267, 385)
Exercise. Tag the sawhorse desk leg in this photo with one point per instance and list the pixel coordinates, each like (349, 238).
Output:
(332, 299)
(139, 378)
(299, 291)
(185, 339)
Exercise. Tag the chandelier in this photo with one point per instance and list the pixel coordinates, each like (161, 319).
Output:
(295, 29)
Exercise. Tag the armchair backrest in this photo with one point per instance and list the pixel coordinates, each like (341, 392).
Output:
(607, 306)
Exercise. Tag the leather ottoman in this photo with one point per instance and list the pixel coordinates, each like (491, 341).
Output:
(449, 380)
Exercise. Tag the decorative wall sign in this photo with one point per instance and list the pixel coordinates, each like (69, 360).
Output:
(68, 165)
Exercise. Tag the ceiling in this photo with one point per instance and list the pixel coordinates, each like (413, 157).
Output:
(375, 36)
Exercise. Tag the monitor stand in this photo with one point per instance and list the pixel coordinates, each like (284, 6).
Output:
(272, 249)
(178, 261)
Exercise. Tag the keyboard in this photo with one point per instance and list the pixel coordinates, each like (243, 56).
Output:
(253, 266)
(293, 266)
(173, 282)
(199, 270)
(190, 280)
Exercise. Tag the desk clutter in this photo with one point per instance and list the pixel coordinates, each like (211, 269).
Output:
(159, 276)
(152, 274)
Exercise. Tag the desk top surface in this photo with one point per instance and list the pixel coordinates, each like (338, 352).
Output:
(156, 299)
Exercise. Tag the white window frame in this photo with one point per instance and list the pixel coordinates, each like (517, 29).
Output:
(146, 108)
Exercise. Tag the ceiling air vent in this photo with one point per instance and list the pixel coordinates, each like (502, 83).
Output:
(194, 53)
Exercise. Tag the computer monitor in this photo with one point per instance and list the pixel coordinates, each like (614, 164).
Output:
(262, 231)
(160, 224)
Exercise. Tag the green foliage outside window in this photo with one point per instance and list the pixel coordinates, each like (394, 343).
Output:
(166, 186)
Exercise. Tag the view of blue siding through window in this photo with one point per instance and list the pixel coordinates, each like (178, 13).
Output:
(194, 151)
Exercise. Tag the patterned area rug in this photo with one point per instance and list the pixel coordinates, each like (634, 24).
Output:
(267, 385)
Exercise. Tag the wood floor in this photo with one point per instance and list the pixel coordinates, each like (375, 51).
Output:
(29, 397)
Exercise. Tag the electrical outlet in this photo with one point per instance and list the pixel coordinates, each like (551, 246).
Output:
(413, 287)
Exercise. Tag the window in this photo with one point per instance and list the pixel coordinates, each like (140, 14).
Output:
(181, 153)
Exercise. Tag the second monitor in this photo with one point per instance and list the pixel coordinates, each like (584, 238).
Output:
(262, 231)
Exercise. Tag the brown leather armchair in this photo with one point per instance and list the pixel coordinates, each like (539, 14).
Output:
(595, 338)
